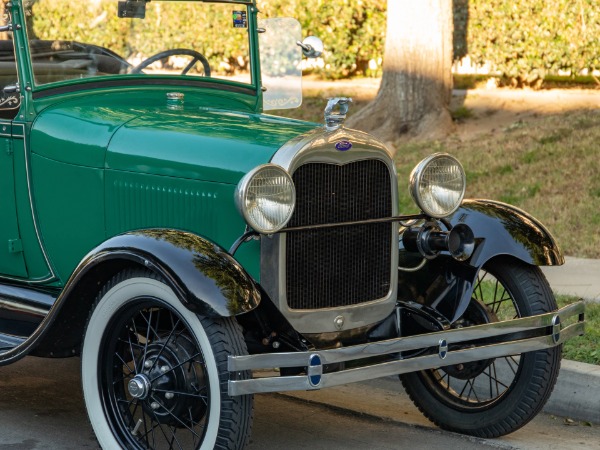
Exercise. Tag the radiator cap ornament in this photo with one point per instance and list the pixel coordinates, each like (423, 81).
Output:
(335, 112)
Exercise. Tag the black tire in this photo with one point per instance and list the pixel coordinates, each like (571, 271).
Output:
(502, 406)
(154, 374)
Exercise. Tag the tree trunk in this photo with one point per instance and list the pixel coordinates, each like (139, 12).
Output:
(414, 96)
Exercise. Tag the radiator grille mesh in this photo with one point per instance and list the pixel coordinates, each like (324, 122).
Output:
(339, 266)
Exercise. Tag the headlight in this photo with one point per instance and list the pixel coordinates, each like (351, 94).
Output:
(266, 198)
(437, 185)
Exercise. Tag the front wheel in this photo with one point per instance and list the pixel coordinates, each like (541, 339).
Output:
(493, 397)
(154, 374)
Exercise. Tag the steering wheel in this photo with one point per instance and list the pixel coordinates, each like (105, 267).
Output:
(196, 56)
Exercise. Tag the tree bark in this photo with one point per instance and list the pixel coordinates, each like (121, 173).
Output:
(414, 96)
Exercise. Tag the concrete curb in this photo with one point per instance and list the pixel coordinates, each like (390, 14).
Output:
(577, 392)
(575, 396)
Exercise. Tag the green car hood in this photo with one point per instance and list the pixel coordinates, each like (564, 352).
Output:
(211, 138)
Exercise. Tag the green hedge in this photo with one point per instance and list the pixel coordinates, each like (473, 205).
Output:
(353, 31)
(225, 47)
(525, 40)
(522, 40)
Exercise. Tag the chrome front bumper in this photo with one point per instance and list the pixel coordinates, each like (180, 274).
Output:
(548, 330)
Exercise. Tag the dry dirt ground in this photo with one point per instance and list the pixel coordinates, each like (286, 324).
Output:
(489, 110)
(496, 109)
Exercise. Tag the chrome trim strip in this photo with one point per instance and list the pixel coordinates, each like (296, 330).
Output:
(51, 276)
(319, 146)
(23, 308)
(475, 353)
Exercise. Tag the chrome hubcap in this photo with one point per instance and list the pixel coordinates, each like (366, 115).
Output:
(139, 386)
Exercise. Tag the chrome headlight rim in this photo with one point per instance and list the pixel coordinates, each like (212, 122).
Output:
(416, 180)
(241, 196)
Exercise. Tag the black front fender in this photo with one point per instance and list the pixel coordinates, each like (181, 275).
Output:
(502, 229)
(206, 278)
(446, 285)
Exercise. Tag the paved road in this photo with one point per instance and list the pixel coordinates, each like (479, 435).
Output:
(41, 408)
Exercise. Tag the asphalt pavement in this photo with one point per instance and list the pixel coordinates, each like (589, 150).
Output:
(41, 408)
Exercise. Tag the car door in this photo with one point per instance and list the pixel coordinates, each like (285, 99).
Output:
(12, 261)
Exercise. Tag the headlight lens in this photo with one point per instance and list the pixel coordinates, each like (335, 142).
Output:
(266, 198)
(437, 185)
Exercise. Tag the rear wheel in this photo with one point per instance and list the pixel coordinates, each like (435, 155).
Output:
(154, 374)
(493, 397)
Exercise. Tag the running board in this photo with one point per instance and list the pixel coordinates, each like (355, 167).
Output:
(21, 312)
(547, 331)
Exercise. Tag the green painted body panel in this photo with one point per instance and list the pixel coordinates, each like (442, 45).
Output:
(199, 143)
(78, 133)
(37, 267)
(117, 161)
(69, 202)
(136, 201)
(11, 255)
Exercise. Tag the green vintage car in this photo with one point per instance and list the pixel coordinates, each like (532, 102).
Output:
(194, 250)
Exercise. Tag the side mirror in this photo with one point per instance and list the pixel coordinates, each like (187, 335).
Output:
(312, 47)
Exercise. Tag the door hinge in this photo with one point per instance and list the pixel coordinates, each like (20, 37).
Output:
(15, 246)
(9, 150)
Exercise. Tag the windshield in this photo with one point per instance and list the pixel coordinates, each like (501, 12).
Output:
(103, 38)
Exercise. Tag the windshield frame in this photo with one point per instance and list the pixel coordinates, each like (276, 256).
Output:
(139, 80)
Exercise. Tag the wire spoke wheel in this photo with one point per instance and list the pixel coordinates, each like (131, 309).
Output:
(492, 397)
(154, 373)
(479, 383)
(153, 378)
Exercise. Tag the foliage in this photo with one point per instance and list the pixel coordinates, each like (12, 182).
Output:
(522, 41)
(97, 23)
(353, 31)
(528, 39)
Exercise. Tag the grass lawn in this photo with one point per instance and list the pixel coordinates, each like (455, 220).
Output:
(584, 348)
(549, 167)
(545, 163)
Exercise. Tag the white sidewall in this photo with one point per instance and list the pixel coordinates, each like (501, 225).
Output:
(113, 300)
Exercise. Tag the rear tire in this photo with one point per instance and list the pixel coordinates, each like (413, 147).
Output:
(139, 332)
(482, 398)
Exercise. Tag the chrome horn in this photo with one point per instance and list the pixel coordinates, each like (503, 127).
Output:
(429, 240)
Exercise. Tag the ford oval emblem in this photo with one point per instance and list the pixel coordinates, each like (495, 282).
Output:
(343, 146)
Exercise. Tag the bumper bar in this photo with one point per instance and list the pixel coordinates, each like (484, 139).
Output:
(548, 329)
